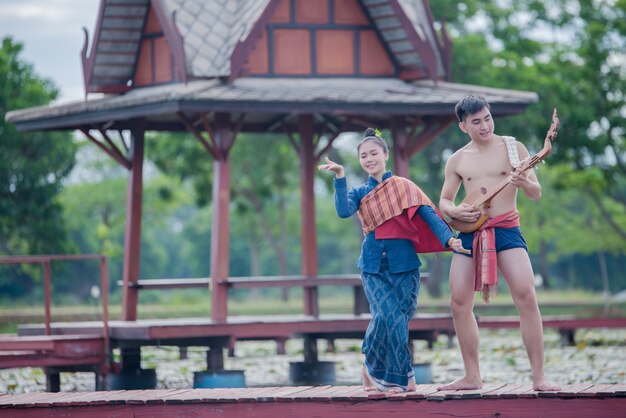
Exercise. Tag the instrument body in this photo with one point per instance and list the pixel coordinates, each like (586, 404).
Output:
(482, 197)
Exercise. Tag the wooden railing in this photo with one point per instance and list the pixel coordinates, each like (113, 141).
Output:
(46, 261)
(360, 302)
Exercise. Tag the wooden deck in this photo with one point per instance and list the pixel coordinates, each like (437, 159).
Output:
(494, 400)
(185, 331)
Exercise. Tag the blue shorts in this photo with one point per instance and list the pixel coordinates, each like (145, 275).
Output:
(506, 238)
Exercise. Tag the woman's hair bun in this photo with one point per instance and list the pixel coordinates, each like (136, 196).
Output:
(370, 132)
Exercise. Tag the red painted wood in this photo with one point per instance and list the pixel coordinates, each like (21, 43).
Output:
(258, 59)
(162, 61)
(154, 65)
(309, 234)
(282, 13)
(373, 59)
(334, 51)
(259, 282)
(308, 11)
(152, 25)
(132, 235)
(292, 51)
(223, 139)
(401, 157)
(349, 12)
(51, 351)
(143, 68)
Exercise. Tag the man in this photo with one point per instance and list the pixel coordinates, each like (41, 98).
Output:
(487, 160)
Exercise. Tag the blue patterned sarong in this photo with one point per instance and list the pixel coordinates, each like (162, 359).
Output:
(393, 299)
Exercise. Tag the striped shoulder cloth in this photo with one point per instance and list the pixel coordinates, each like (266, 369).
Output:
(389, 199)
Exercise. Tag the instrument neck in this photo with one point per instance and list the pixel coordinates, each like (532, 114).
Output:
(497, 189)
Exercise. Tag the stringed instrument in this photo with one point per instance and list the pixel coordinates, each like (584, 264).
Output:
(482, 197)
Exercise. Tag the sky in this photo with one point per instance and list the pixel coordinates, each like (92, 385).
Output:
(50, 32)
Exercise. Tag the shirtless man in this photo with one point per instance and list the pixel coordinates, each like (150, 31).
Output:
(483, 163)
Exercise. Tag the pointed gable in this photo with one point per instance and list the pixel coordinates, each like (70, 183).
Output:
(314, 38)
(359, 38)
(146, 42)
(155, 63)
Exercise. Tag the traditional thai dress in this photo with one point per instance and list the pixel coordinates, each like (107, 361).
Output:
(390, 267)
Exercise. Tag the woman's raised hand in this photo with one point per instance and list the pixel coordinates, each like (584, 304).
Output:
(332, 166)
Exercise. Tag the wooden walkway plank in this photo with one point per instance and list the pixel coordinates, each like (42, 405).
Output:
(527, 391)
(194, 396)
(119, 397)
(424, 390)
(285, 394)
(309, 394)
(620, 390)
(330, 394)
(226, 395)
(505, 390)
(573, 390)
(73, 398)
(105, 398)
(601, 390)
(255, 394)
(38, 399)
(347, 393)
(475, 393)
(358, 395)
(174, 398)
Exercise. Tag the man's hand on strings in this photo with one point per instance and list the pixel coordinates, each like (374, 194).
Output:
(520, 178)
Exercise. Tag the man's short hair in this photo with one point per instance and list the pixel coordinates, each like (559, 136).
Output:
(469, 105)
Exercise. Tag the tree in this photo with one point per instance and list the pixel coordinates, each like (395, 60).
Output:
(32, 168)
(571, 52)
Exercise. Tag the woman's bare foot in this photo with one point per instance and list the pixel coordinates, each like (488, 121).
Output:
(411, 387)
(368, 385)
(540, 385)
(464, 383)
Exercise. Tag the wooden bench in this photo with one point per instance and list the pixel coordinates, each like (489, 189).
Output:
(566, 325)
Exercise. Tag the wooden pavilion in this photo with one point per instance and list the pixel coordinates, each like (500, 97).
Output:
(309, 69)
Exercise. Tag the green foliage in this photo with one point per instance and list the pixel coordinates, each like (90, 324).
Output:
(32, 168)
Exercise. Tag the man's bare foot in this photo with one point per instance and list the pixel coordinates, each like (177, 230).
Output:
(542, 386)
(368, 385)
(464, 383)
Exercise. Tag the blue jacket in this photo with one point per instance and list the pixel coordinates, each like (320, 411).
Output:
(400, 252)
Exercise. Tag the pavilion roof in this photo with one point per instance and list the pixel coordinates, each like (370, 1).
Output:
(265, 100)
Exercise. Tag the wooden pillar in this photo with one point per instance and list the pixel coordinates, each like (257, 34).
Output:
(401, 157)
(309, 234)
(223, 138)
(132, 237)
